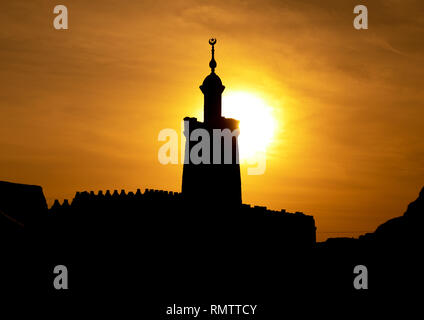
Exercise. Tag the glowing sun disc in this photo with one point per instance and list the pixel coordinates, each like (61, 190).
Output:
(257, 124)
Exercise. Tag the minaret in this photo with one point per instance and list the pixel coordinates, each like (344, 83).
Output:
(212, 89)
(212, 184)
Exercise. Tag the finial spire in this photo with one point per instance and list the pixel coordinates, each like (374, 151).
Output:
(212, 64)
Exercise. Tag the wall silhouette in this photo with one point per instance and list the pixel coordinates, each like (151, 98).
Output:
(246, 252)
(162, 209)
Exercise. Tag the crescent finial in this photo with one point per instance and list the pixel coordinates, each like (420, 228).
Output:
(212, 63)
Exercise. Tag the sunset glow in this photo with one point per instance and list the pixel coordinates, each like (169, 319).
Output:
(338, 110)
(257, 124)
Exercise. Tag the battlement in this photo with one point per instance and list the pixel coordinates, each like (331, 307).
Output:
(91, 196)
(157, 195)
(220, 123)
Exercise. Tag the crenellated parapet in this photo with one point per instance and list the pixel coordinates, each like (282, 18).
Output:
(152, 207)
(91, 197)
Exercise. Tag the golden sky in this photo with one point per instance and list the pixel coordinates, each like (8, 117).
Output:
(81, 109)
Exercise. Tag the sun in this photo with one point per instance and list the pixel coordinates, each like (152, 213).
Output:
(257, 124)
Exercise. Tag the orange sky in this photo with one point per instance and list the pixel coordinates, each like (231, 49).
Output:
(81, 109)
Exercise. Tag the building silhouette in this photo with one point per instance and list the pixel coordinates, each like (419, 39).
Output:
(217, 178)
(210, 201)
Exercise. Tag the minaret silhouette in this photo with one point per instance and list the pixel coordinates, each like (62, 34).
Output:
(212, 89)
(215, 183)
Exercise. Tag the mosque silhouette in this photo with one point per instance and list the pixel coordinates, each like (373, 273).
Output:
(202, 243)
(213, 182)
(211, 191)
